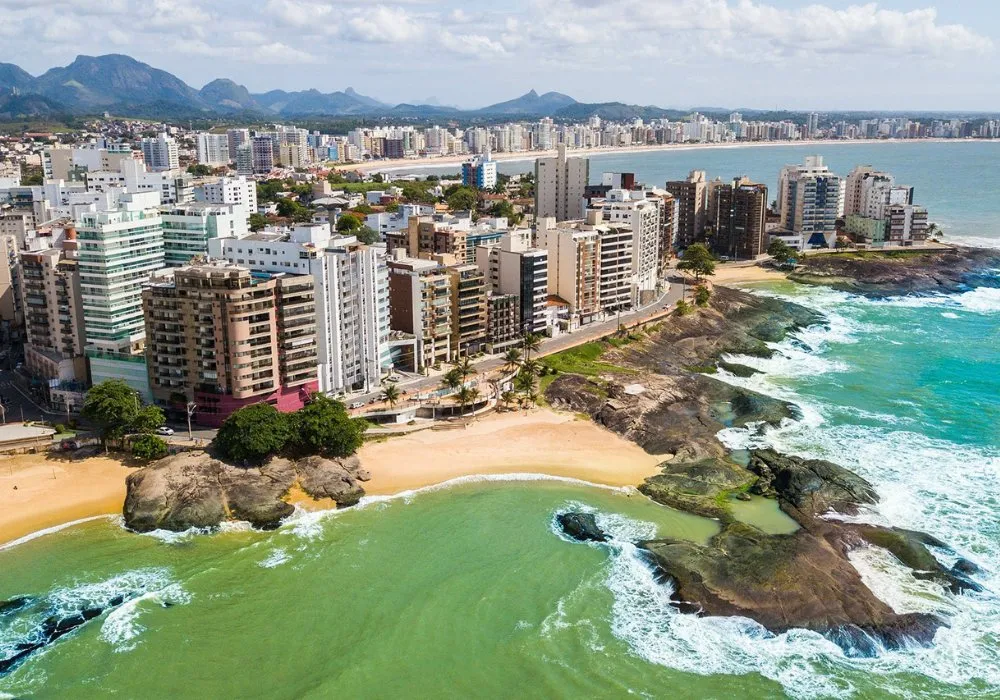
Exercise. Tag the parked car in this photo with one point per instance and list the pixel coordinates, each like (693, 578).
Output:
(164, 430)
(393, 378)
(357, 404)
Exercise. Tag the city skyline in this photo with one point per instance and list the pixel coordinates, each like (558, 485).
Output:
(723, 54)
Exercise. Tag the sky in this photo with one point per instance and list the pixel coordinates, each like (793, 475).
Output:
(765, 54)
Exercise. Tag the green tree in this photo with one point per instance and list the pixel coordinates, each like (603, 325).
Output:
(363, 209)
(683, 308)
(148, 447)
(697, 259)
(367, 235)
(507, 398)
(452, 379)
(512, 359)
(463, 198)
(780, 251)
(199, 170)
(117, 410)
(253, 433)
(465, 368)
(325, 427)
(532, 342)
(258, 222)
(701, 295)
(392, 207)
(419, 192)
(466, 396)
(391, 394)
(348, 223)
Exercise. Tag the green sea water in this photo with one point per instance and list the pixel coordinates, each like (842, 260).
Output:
(470, 591)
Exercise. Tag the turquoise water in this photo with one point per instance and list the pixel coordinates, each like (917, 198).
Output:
(958, 182)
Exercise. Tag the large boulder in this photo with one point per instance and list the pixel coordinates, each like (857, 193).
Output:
(582, 527)
(193, 490)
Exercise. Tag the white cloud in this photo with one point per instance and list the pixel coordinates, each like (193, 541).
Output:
(471, 44)
(384, 25)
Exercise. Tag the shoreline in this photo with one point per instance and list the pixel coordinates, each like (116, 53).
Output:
(402, 165)
(493, 445)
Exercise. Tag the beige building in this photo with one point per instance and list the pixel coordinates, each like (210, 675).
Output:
(226, 338)
(10, 296)
(560, 186)
(690, 195)
(50, 288)
(420, 305)
(574, 267)
(468, 309)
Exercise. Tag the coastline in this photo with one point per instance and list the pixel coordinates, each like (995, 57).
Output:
(53, 491)
(403, 165)
(506, 443)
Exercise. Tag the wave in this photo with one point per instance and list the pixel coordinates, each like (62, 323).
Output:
(53, 530)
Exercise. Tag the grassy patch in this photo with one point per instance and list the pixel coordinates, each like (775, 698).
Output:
(703, 369)
(584, 360)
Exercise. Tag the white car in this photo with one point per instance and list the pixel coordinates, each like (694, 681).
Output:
(164, 430)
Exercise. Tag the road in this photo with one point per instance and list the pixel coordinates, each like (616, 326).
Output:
(16, 405)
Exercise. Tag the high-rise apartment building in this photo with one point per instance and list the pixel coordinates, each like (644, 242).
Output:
(160, 152)
(690, 197)
(739, 215)
(188, 228)
(420, 305)
(237, 192)
(212, 149)
(811, 199)
(225, 338)
(118, 251)
(642, 216)
(237, 138)
(574, 267)
(262, 154)
(513, 267)
(480, 172)
(560, 186)
(468, 309)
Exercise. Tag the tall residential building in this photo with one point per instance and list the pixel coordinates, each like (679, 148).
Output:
(352, 298)
(811, 199)
(225, 338)
(188, 228)
(237, 138)
(852, 191)
(740, 215)
(574, 267)
(213, 149)
(11, 312)
(50, 288)
(244, 160)
(262, 154)
(642, 216)
(503, 329)
(480, 172)
(160, 153)
(420, 305)
(118, 251)
(514, 267)
(237, 192)
(690, 196)
(560, 186)
(468, 309)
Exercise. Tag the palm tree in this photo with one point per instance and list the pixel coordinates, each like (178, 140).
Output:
(532, 342)
(532, 367)
(465, 368)
(512, 360)
(452, 379)
(507, 398)
(465, 396)
(391, 394)
(525, 381)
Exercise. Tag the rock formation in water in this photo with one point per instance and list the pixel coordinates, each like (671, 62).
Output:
(799, 580)
(881, 274)
(194, 490)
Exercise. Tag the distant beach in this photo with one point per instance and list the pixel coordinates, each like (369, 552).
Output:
(404, 165)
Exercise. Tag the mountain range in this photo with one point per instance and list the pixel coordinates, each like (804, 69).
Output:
(122, 85)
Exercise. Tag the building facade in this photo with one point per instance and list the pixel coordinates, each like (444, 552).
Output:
(560, 186)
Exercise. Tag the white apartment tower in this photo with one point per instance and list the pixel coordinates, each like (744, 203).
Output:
(642, 216)
(213, 149)
(560, 184)
(811, 199)
(237, 192)
(160, 153)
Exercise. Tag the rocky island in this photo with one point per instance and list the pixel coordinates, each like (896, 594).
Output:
(800, 580)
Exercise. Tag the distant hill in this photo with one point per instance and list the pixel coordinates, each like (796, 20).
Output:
(224, 94)
(28, 107)
(122, 85)
(14, 77)
(530, 103)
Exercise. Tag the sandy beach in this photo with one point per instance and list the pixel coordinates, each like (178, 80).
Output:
(403, 165)
(735, 274)
(543, 442)
(53, 491)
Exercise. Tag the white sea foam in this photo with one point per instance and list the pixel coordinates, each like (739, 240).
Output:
(276, 558)
(121, 628)
(51, 531)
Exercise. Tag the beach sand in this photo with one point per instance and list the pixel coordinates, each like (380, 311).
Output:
(732, 274)
(541, 442)
(53, 491)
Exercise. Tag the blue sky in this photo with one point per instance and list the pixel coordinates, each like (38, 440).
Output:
(829, 54)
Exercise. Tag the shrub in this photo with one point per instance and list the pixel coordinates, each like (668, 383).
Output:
(325, 427)
(149, 447)
(684, 308)
(701, 295)
(253, 433)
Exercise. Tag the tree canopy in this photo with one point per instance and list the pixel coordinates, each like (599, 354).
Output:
(348, 223)
(257, 222)
(367, 235)
(117, 410)
(324, 426)
(463, 198)
(697, 259)
(780, 251)
(149, 447)
(253, 433)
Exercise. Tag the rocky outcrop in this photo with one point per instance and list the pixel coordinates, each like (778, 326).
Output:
(800, 580)
(881, 274)
(193, 490)
(582, 527)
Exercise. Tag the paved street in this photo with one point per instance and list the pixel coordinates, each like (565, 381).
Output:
(16, 404)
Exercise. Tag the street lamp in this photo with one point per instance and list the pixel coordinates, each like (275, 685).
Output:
(191, 408)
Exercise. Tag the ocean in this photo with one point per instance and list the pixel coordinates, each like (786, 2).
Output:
(469, 590)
